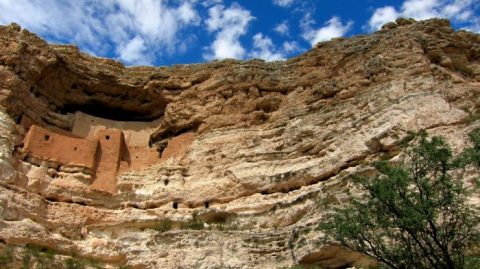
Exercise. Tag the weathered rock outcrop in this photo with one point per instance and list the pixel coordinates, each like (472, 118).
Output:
(251, 154)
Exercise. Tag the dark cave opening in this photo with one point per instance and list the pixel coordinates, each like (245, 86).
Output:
(100, 110)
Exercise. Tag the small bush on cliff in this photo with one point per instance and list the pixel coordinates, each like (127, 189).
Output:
(414, 214)
(72, 263)
(194, 225)
(6, 256)
(164, 225)
(41, 256)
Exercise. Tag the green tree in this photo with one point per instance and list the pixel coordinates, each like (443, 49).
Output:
(414, 213)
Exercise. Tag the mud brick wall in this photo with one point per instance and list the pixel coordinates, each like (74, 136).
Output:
(109, 152)
(59, 148)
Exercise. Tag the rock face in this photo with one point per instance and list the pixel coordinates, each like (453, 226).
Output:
(229, 164)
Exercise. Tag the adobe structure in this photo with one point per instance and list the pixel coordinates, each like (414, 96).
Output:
(99, 147)
(257, 151)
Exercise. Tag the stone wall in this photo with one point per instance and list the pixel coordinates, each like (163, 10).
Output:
(136, 133)
(177, 147)
(135, 152)
(59, 148)
(111, 142)
(98, 144)
(137, 157)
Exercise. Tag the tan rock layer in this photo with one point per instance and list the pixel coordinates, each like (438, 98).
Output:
(254, 151)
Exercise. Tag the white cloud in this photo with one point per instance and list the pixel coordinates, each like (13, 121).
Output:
(331, 29)
(134, 51)
(382, 16)
(460, 10)
(263, 48)
(455, 10)
(291, 47)
(420, 9)
(282, 28)
(187, 14)
(209, 3)
(283, 3)
(49, 16)
(229, 24)
(157, 24)
(99, 25)
(474, 26)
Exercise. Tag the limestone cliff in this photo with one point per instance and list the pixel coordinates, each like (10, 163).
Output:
(228, 164)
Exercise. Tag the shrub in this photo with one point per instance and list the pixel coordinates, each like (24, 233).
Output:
(42, 256)
(164, 225)
(414, 214)
(194, 225)
(72, 263)
(6, 257)
(472, 262)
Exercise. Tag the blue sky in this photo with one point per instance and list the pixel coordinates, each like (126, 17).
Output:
(166, 32)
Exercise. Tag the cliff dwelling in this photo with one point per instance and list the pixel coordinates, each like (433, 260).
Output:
(228, 164)
(96, 146)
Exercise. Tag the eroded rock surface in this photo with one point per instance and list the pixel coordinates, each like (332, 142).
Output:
(238, 160)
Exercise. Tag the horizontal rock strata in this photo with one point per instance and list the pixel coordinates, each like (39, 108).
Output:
(251, 154)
